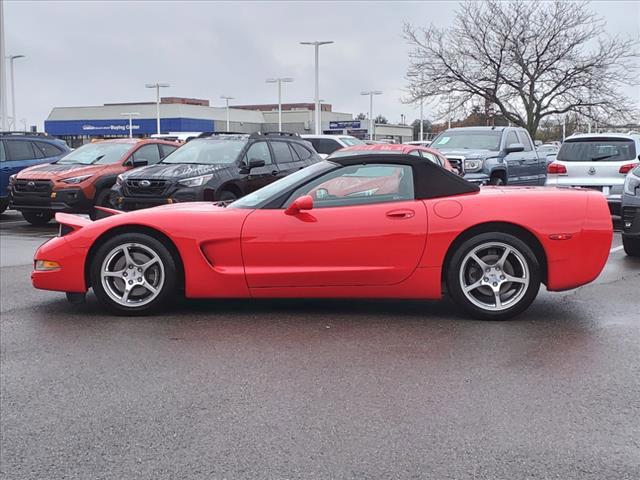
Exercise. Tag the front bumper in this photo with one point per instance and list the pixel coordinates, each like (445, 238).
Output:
(478, 178)
(71, 200)
(70, 277)
(631, 220)
(127, 201)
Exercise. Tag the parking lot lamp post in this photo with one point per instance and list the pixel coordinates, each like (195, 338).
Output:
(14, 119)
(130, 115)
(224, 97)
(421, 76)
(316, 99)
(3, 89)
(371, 93)
(280, 81)
(157, 86)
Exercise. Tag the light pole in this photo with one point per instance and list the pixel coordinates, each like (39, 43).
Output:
(14, 119)
(157, 86)
(316, 99)
(3, 77)
(130, 115)
(421, 76)
(280, 81)
(371, 93)
(224, 97)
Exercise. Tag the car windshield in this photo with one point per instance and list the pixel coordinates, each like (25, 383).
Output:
(273, 190)
(597, 150)
(479, 140)
(96, 153)
(207, 152)
(349, 141)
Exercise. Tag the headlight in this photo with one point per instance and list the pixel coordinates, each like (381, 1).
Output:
(472, 165)
(631, 184)
(195, 181)
(119, 179)
(76, 179)
(12, 179)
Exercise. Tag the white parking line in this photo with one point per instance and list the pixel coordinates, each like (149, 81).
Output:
(616, 249)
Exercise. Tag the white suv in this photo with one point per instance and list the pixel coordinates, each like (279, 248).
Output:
(596, 160)
(325, 145)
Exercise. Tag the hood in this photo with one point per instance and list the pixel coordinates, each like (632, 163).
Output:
(55, 171)
(468, 152)
(163, 171)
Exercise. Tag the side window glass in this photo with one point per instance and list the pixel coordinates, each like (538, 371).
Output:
(511, 138)
(19, 150)
(2, 156)
(303, 153)
(147, 152)
(259, 151)
(47, 149)
(524, 139)
(282, 152)
(327, 146)
(432, 158)
(166, 149)
(37, 152)
(415, 153)
(359, 185)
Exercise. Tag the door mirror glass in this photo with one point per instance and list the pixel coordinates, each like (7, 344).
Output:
(299, 204)
(515, 147)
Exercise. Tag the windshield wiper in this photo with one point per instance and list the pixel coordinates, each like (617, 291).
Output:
(602, 157)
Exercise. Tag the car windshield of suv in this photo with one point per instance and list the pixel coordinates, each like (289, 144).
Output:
(207, 152)
(96, 154)
(597, 150)
(349, 141)
(255, 199)
(480, 140)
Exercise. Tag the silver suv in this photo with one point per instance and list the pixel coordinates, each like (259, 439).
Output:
(596, 160)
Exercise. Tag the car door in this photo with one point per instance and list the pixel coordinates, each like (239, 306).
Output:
(19, 154)
(365, 229)
(532, 173)
(260, 176)
(514, 160)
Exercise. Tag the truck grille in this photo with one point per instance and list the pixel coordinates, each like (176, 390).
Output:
(457, 163)
(40, 188)
(146, 187)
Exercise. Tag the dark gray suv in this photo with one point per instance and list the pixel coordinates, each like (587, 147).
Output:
(631, 213)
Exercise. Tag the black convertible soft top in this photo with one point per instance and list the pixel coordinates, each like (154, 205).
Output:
(429, 180)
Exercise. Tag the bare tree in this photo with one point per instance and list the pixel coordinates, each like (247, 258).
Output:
(528, 60)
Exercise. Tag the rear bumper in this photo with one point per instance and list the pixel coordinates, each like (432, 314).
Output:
(631, 221)
(67, 200)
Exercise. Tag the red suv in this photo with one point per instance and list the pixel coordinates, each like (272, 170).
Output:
(82, 179)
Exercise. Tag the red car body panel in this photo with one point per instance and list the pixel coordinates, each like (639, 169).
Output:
(395, 249)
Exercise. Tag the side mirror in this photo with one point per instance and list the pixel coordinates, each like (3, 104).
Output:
(515, 147)
(253, 163)
(299, 204)
(138, 162)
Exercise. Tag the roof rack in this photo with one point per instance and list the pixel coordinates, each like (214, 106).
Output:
(33, 134)
(213, 134)
(274, 134)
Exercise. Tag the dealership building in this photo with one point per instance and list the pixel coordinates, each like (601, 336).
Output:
(78, 125)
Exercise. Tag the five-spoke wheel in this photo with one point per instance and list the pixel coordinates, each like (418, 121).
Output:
(133, 273)
(494, 276)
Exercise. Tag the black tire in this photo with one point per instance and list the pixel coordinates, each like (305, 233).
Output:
(3, 205)
(102, 199)
(37, 219)
(227, 196)
(514, 261)
(137, 244)
(631, 246)
(496, 180)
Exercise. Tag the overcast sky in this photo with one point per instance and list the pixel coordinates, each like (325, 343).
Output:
(89, 53)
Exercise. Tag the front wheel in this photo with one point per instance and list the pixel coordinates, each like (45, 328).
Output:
(133, 274)
(631, 246)
(493, 276)
(496, 180)
(227, 196)
(38, 219)
(102, 199)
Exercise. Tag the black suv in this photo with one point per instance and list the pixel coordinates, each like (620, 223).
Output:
(214, 167)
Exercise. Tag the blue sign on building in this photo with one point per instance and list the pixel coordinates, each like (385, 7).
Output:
(120, 126)
(339, 125)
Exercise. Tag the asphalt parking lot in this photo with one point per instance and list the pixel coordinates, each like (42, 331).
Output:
(318, 389)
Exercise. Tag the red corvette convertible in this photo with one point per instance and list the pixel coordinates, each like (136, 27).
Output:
(360, 226)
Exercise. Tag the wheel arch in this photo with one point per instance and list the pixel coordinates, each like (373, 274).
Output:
(517, 231)
(229, 187)
(152, 232)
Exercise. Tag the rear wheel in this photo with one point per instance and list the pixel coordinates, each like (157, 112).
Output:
(493, 276)
(631, 246)
(3, 205)
(133, 273)
(38, 218)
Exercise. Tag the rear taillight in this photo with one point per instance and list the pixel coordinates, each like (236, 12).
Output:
(556, 168)
(624, 169)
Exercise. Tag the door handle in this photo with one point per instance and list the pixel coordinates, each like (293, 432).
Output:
(401, 214)
(274, 172)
